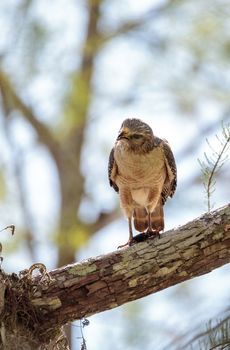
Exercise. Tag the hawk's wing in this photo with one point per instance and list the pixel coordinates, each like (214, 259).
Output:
(112, 169)
(171, 181)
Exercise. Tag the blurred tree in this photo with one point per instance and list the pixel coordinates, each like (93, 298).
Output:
(65, 148)
(64, 74)
(64, 137)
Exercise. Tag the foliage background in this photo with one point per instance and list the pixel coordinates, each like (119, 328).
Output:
(70, 72)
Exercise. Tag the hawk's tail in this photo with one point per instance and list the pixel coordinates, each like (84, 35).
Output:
(140, 217)
(157, 217)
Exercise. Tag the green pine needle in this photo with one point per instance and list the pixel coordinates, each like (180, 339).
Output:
(214, 162)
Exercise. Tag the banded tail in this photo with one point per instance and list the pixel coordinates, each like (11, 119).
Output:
(140, 217)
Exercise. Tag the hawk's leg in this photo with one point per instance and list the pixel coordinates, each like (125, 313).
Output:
(150, 232)
(149, 223)
(130, 230)
(130, 241)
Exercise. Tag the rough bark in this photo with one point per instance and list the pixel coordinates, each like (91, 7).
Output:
(105, 282)
(82, 289)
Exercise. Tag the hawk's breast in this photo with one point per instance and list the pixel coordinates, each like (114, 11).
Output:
(139, 170)
(140, 196)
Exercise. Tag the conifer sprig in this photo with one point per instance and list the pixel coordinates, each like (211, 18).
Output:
(214, 162)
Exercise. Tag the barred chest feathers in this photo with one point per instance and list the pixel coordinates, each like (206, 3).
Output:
(139, 170)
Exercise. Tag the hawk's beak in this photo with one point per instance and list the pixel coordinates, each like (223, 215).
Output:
(123, 135)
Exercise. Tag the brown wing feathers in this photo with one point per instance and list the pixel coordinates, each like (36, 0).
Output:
(111, 165)
(170, 186)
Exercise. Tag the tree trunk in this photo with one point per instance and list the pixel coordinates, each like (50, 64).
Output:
(53, 299)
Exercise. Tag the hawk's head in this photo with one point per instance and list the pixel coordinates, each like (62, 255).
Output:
(136, 135)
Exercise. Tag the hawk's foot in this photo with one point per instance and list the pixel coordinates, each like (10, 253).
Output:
(136, 239)
(141, 237)
(152, 233)
(128, 244)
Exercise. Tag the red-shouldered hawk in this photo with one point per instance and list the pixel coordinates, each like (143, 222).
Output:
(142, 170)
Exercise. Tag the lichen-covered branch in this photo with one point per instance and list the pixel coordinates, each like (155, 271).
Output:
(105, 282)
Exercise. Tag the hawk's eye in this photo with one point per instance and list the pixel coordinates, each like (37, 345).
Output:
(136, 136)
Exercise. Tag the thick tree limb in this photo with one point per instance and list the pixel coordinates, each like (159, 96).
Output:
(105, 282)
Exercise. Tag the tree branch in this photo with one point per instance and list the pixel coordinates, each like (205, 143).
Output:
(136, 23)
(104, 219)
(12, 101)
(105, 282)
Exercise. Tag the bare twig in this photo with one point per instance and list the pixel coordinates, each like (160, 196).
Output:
(83, 323)
(11, 227)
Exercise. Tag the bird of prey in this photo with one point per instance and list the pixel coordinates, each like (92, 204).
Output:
(142, 170)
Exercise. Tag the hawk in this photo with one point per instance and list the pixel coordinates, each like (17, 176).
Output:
(142, 170)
